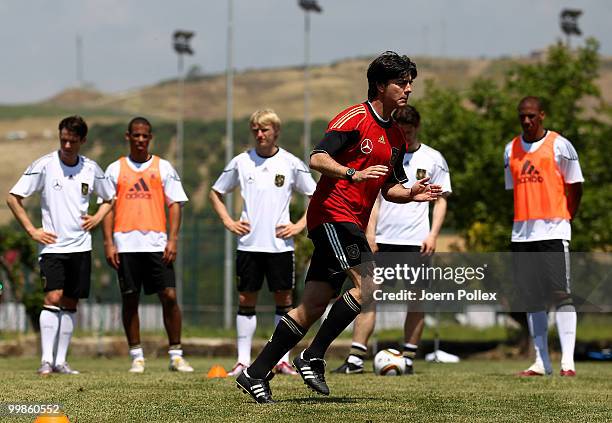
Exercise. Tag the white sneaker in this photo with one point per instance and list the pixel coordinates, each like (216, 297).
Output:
(65, 369)
(237, 369)
(179, 364)
(138, 365)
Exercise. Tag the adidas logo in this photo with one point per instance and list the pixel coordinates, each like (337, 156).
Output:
(140, 190)
(381, 139)
(529, 174)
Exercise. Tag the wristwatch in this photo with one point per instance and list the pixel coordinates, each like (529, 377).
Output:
(350, 172)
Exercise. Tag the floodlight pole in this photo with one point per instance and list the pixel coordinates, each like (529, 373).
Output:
(181, 46)
(228, 264)
(308, 6)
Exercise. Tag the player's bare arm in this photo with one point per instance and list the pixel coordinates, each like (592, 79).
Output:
(174, 224)
(110, 250)
(324, 163)
(574, 195)
(238, 227)
(370, 232)
(439, 213)
(15, 203)
(90, 222)
(420, 191)
(290, 229)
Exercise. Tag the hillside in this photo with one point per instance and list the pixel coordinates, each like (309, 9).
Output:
(334, 86)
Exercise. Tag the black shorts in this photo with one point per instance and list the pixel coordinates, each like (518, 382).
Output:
(403, 254)
(541, 268)
(338, 246)
(146, 270)
(277, 268)
(70, 272)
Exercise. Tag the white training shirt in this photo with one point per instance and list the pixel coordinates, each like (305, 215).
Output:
(147, 241)
(65, 192)
(266, 185)
(408, 224)
(543, 229)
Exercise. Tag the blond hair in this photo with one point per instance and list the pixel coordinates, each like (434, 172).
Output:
(265, 117)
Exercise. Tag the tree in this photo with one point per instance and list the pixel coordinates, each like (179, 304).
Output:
(471, 128)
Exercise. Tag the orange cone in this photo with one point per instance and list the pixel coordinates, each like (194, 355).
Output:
(52, 418)
(216, 371)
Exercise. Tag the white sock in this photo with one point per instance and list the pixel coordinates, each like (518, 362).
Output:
(245, 328)
(285, 358)
(538, 328)
(354, 360)
(65, 335)
(175, 352)
(49, 324)
(136, 352)
(566, 326)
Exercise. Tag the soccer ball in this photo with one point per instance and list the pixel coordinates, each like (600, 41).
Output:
(389, 362)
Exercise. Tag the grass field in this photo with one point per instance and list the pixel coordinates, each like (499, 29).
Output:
(471, 391)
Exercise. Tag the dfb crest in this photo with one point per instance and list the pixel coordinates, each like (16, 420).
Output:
(279, 180)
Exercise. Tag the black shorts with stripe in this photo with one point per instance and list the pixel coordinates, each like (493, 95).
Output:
(70, 272)
(541, 272)
(277, 268)
(144, 270)
(338, 246)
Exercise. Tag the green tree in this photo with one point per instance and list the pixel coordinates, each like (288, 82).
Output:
(472, 127)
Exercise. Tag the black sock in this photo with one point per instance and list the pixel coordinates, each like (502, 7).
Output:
(286, 335)
(409, 351)
(342, 313)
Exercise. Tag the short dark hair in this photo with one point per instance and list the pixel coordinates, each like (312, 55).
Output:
(408, 115)
(75, 124)
(139, 119)
(386, 67)
(532, 99)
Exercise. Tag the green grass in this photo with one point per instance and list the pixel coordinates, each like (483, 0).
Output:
(471, 391)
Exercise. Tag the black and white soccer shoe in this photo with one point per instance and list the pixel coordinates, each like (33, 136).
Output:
(312, 372)
(348, 368)
(258, 389)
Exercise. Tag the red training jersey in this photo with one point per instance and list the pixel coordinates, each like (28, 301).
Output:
(356, 138)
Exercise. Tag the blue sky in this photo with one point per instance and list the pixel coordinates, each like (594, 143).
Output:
(127, 44)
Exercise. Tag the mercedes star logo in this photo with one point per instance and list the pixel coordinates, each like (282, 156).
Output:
(366, 146)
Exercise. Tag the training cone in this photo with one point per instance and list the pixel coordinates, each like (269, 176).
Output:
(216, 371)
(52, 418)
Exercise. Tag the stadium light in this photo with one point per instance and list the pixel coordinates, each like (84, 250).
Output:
(181, 46)
(228, 255)
(569, 23)
(308, 6)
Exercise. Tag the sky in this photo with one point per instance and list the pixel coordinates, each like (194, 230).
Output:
(127, 43)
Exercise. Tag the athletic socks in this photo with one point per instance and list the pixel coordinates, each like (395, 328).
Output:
(175, 350)
(280, 312)
(246, 323)
(49, 324)
(409, 353)
(357, 354)
(286, 335)
(538, 328)
(67, 319)
(136, 352)
(341, 314)
(566, 326)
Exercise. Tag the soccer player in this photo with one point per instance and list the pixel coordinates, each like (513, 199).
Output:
(404, 228)
(267, 176)
(65, 180)
(136, 243)
(358, 157)
(542, 168)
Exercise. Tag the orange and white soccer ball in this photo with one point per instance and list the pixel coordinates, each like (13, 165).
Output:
(389, 362)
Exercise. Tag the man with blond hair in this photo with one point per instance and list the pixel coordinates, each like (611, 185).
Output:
(267, 176)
